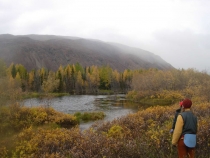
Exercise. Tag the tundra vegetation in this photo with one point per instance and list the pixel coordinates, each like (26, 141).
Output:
(44, 132)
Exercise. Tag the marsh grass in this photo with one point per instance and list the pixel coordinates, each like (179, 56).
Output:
(156, 101)
(89, 116)
(28, 95)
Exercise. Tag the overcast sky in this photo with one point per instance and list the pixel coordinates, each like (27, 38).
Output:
(176, 30)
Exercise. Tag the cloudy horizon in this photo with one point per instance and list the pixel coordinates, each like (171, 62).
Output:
(176, 30)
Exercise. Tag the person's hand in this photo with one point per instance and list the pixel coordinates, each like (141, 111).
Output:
(171, 131)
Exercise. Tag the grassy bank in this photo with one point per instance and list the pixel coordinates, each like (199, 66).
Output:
(157, 101)
(42, 95)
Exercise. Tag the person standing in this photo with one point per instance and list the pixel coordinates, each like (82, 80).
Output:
(176, 115)
(184, 135)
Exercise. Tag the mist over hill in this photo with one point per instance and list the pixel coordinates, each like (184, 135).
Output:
(49, 51)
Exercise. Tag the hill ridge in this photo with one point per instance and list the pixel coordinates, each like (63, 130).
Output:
(51, 51)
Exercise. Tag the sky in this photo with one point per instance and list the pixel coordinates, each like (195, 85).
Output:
(176, 30)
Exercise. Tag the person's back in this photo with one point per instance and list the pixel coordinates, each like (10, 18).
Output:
(184, 136)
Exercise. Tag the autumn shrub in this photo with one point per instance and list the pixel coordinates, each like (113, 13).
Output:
(62, 119)
(124, 137)
(202, 111)
(149, 97)
(170, 94)
(115, 131)
(131, 94)
(16, 118)
(4, 119)
(100, 144)
(32, 143)
(3, 151)
(97, 115)
(89, 116)
(141, 134)
(136, 96)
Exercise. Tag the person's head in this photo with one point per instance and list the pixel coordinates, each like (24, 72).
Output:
(186, 103)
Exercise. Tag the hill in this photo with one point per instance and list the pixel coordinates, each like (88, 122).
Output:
(49, 51)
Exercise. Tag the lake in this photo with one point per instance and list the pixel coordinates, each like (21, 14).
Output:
(113, 106)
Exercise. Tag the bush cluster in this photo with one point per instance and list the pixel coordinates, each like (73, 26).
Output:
(89, 116)
(143, 134)
(163, 97)
(45, 142)
(15, 118)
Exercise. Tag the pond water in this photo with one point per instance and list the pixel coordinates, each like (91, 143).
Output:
(113, 106)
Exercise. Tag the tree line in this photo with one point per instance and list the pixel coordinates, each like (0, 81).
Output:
(70, 79)
(76, 79)
(170, 84)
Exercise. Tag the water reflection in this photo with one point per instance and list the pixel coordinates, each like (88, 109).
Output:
(113, 106)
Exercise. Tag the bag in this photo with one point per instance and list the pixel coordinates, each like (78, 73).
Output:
(190, 140)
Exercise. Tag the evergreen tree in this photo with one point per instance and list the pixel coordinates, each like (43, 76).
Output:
(67, 78)
(105, 73)
(2, 68)
(60, 76)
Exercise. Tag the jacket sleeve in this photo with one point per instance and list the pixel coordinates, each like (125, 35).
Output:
(178, 130)
(174, 121)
